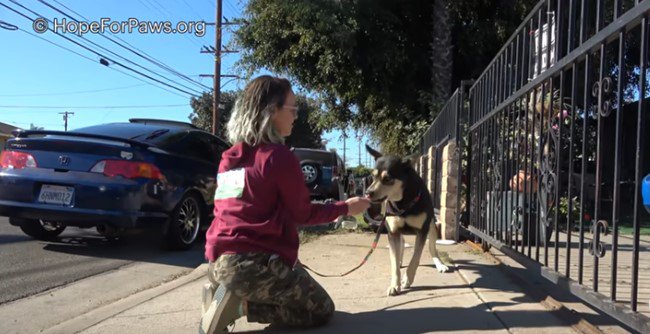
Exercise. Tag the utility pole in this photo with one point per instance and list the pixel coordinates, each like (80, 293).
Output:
(345, 136)
(359, 141)
(217, 51)
(65, 119)
(216, 97)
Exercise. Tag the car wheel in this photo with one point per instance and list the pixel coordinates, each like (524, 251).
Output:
(310, 172)
(41, 229)
(184, 224)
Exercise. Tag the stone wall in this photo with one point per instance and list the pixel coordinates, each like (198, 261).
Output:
(448, 199)
(449, 186)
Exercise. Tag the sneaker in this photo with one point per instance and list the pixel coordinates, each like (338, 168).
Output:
(208, 295)
(223, 311)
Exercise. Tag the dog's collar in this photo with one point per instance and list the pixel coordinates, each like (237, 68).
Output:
(392, 209)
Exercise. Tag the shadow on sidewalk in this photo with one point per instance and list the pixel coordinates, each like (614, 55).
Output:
(421, 320)
(519, 280)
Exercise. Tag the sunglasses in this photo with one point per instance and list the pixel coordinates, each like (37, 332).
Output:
(294, 109)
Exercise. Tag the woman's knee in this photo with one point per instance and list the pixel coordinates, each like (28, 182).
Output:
(324, 313)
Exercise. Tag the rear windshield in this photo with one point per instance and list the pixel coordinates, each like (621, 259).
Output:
(159, 136)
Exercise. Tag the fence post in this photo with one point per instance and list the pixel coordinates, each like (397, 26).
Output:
(431, 170)
(448, 191)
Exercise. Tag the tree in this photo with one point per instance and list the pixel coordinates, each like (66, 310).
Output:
(201, 115)
(371, 62)
(480, 28)
(306, 132)
(363, 59)
(360, 171)
(441, 53)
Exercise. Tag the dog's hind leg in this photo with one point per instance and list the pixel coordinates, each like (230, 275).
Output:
(401, 252)
(433, 237)
(409, 275)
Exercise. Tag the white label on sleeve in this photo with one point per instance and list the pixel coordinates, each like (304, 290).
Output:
(230, 184)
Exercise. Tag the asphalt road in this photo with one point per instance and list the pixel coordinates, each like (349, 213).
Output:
(29, 266)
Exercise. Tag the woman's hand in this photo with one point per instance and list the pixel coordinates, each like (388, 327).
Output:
(357, 205)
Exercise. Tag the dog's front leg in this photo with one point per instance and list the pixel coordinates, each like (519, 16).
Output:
(395, 250)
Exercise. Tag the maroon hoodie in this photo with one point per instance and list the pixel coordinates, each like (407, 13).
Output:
(264, 216)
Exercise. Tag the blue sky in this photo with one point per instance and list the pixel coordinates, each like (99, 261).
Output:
(35, 74)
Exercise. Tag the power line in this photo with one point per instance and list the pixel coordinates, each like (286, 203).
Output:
(139, 52)
(97, 45)
(95, 61)
(168, 17)
(72, 93)
(231, 6)
(96, 107)
(99, 54)
(193, 11)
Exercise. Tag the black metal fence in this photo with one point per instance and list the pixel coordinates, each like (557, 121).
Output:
(556, 150)
(446, 125)
(450, 126)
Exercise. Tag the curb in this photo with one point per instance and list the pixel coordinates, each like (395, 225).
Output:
(91, 318)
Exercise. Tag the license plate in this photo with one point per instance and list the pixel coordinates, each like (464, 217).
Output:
(56, 195)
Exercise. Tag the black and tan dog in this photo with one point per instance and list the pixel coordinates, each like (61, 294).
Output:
(409, 210)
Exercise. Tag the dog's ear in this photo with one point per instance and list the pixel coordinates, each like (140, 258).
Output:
(372, 152)
(412, 159)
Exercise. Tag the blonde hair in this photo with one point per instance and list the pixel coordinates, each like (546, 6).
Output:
(250, 121)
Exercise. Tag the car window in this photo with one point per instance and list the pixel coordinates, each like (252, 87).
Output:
(217, 147)
(196, 145)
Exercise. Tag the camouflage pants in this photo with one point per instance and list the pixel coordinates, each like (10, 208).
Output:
(275, 292)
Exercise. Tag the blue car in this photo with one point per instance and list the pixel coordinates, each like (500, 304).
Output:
(112, 177)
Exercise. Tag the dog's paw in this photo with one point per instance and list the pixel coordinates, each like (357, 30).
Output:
(393, 290)
(442, 268)
(406, 282)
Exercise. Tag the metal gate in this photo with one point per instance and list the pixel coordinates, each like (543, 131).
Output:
(558, 150)
(553, 150)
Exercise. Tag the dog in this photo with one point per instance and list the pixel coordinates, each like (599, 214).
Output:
(409, 210)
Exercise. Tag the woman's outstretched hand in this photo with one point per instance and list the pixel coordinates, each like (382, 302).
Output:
(357, 205)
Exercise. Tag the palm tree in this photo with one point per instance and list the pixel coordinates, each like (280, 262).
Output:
(441, 55)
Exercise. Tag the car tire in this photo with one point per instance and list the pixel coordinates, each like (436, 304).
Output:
(184, 224)
(311, 172)
(40, 229)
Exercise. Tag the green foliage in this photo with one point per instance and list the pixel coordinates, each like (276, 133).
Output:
(306, 132)
(366, 60)
(201, 115)
(369, 62)
(359, 171)
(564, 208)
(396, 135)
(34, 127)
(481, 27)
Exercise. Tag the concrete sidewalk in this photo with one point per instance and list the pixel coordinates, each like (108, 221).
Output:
(475, 296)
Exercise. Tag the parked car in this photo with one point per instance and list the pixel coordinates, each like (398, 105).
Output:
(324, 173)
(113, 177)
